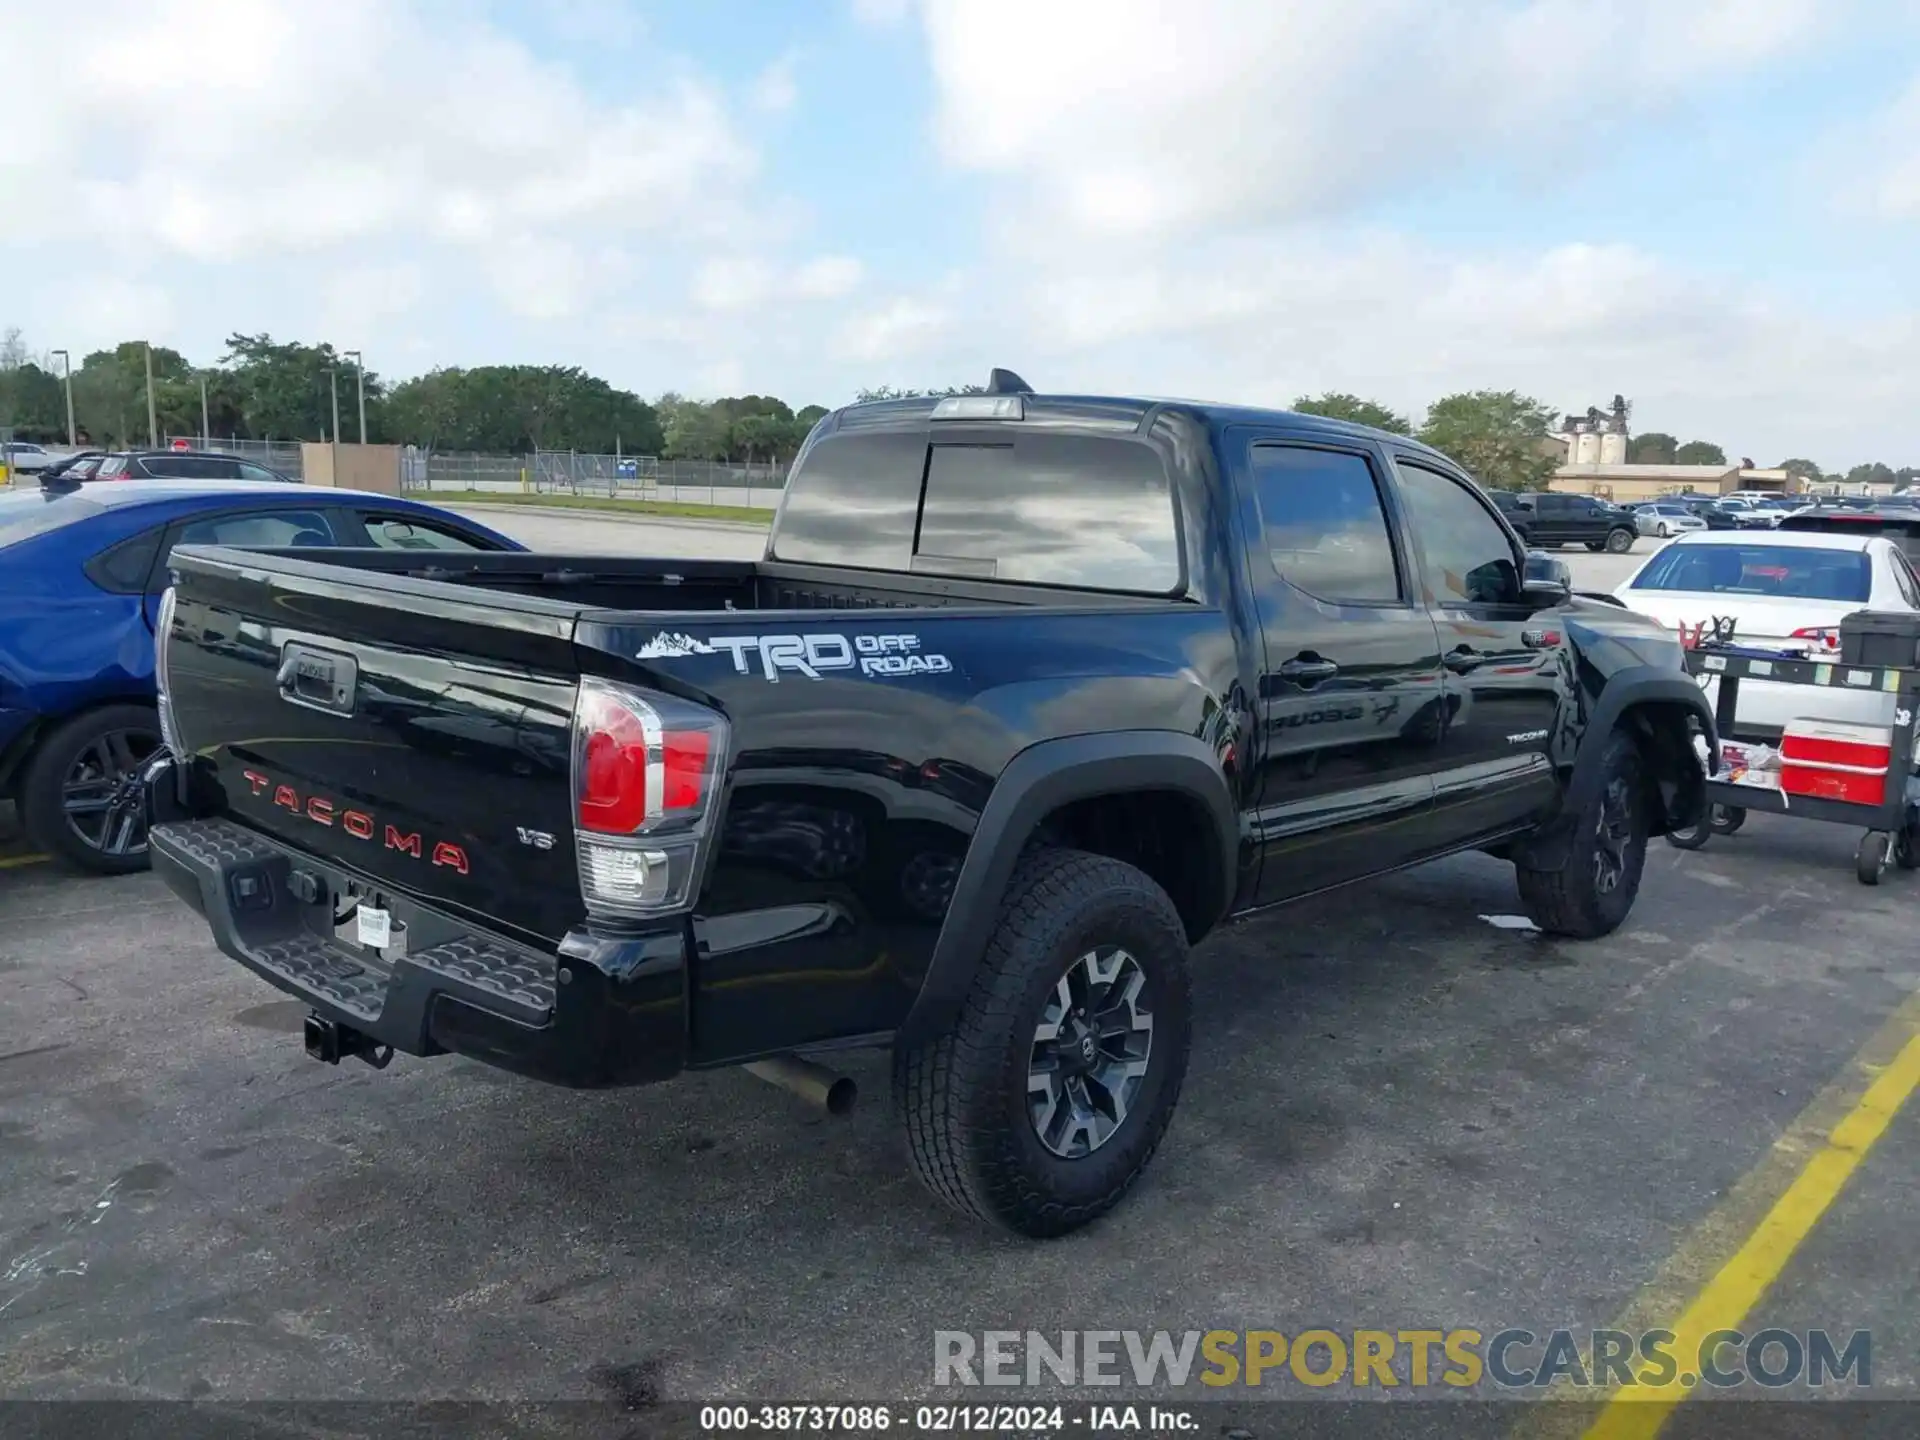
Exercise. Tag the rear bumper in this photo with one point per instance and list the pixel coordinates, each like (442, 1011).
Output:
(596, 1012)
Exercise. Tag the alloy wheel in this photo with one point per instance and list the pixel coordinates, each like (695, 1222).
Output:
(101, 793)
(1613, 833)
(1090, 1053)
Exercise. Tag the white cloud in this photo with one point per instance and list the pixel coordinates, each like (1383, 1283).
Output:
(777, 88)
(1130, 119)
(901, 329)
(828, 278)
(732, 283)
(316, 126)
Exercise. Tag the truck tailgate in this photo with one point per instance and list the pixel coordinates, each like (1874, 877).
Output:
(424, 744)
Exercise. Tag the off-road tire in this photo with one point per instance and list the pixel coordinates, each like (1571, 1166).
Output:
(962, 1097)
(1620, 540)
(42, 811)
(1569, 901)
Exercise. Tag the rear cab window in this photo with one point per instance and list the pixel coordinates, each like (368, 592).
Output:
(1801, 572)
(1002, 503)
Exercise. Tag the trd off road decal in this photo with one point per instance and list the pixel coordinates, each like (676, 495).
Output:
(809, 655)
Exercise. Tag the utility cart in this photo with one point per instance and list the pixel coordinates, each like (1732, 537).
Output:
(1841, 773)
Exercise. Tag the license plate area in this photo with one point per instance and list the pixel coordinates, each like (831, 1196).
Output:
(364, 918)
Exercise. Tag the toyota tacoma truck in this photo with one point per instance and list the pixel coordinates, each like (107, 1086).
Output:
(1027, 696)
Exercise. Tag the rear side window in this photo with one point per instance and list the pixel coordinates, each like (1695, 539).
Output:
(1786, 571)
(1034, 508)
(269, 529)
(191, 467)
(29, 511)
(123, 568)
(1087, 511)
(1323, 523)
(111, 466)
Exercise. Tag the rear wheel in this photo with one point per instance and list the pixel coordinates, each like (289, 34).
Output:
(80, 798)
(1041, 1107)
(1592, 894)
(1619, 541)
(1727, 819)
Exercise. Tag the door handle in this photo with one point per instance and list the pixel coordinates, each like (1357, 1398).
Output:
(1463, 660)
(1301, 668)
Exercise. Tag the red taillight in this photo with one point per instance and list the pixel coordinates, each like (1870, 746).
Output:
(686, 769)
(613, 773)
(646, 770)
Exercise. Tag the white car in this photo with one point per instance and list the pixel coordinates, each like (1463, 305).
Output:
(1783, 589)
(1663, 518)
(21, 457)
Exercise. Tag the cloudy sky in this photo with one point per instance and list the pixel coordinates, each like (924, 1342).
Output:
(1711, 205)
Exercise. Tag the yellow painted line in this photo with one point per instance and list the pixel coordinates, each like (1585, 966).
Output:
(14, 862)
(1725, 1266)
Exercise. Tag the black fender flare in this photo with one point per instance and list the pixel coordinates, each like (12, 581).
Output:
(1037, 781)
(1624, 689)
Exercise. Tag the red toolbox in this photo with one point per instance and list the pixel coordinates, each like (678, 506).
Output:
(1833, 760)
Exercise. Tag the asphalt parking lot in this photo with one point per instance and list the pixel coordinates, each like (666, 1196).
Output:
(1400, 1115)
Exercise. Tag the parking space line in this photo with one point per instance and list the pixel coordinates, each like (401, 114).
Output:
(14, 862)
(1725, 1266)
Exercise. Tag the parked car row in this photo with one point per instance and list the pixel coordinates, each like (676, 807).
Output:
(80, 465)
(82, 569)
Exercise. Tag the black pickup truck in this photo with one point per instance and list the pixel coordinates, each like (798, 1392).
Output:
(1028, 695)
(1550, 521)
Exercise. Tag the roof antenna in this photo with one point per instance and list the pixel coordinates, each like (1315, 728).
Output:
(1005, 382)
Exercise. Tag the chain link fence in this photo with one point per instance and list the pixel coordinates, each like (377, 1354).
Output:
(756, 485)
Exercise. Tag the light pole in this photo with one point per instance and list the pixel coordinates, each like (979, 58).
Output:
(153, 413)
(66, 373)
(333, 379)
(206, 431)
(360, 385)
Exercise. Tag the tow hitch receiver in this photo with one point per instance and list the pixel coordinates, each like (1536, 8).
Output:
(331, 1042)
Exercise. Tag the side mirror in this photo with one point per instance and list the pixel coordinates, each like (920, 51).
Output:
(1546, 581)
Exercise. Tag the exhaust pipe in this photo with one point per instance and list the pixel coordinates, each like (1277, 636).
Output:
(813, 1083)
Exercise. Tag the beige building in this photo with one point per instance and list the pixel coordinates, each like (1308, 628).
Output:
(1594, 451)
(1626, 483)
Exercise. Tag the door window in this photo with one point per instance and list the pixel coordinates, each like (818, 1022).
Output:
(404, 532)
(265, 528)
(1324, 527)
(1468, 558)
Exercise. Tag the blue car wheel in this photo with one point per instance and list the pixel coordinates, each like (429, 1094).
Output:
(81, 799)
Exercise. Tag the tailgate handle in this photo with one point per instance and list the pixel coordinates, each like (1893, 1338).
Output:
(318, 679)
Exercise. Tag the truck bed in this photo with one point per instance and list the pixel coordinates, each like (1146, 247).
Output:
(649, 583)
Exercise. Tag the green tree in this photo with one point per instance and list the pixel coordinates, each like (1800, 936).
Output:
(286, 391)
(1336, 405)
(1498, 435)
(1656, 447)
(1700, 452)
(110, 394)
(511, 409)
(891, 392)
(1804, 469)
(693, 429)
(32, 399)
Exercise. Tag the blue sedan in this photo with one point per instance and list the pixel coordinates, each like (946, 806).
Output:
(82, 570)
